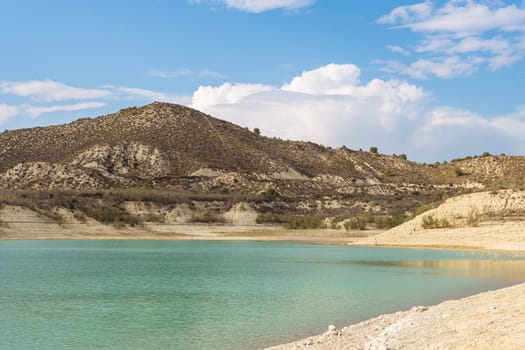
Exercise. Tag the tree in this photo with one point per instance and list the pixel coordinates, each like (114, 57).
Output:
(373, 150)
(257, 131)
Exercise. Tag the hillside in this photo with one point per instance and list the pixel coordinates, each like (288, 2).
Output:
(488, 220)
(164, 150)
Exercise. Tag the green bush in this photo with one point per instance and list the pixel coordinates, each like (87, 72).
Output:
(430, 222)
(303, 222)
(355, 223)
(207, 218)
(112, 215)
(270, 218)
(373, 150)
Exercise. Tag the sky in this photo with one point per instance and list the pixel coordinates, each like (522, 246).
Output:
(434, 80)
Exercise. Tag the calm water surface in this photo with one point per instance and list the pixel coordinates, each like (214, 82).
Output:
(218, 295)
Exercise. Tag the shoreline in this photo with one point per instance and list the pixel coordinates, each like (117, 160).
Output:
(262, 233)
(488, 320)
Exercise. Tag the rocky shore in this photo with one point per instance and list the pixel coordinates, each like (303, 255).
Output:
(491, 320)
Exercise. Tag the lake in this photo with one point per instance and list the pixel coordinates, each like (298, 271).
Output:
(218, 295)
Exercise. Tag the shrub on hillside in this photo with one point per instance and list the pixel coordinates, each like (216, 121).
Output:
(304, 222)
(355, 223)
(430, 222)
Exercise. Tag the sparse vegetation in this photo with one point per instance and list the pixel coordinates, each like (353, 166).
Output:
(429, 221)
(112, 215)
(373, 150)
(303, 222)
(257, 131)
(271, 218)
(207, 218)
(459, 172)
(354, 224)
(473, 218)
(291, 222)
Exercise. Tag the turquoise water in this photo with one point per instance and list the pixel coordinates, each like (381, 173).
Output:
(217, 295)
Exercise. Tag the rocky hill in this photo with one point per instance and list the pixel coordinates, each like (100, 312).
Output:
(174, 149)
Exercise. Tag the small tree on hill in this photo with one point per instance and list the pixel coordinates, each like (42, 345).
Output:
(373, 150)
(257, 131)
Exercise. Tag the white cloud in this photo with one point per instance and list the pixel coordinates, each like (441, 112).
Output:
(170, 74)
(398, 49)
(330, 105)
(445, 44)
(207, 96)
(326, 105)
(441, 67)
(447, 132)
(258, 6)
(212, 74)
(128, 93)
(36, 111)
(332, 79)
(410, 13)
(50, 91)
(458, 16)
(468, 34)
(7, 112)
(47, 93)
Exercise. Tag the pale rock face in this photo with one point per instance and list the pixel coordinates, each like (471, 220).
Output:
(123, 159)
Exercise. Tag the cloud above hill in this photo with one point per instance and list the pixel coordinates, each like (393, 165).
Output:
(331, 106)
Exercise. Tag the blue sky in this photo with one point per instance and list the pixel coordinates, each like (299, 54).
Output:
(432, 79)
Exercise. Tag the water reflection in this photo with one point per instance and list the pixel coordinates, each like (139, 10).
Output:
(502, 269)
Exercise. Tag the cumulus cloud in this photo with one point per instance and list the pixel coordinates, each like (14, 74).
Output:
(480, 34)
(330, 105)
(50, 91)
(451, 132)
(258, 6)
(327, 105)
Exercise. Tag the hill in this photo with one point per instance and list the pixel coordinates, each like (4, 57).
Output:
(166, 153)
